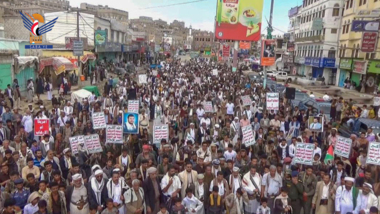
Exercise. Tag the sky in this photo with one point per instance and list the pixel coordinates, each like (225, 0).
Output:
(200, 14)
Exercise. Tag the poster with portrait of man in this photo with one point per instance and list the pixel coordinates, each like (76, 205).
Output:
(131, 123)
(315, 123)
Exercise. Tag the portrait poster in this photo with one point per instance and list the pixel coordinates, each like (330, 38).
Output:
(315, 123)
(131, 123)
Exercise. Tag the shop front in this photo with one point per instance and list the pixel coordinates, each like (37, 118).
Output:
(329, 70)
(55, 68)
(372, 78)
(359, 70)
(108, 51)
(25, 67)
(345, 69)
(300, 65)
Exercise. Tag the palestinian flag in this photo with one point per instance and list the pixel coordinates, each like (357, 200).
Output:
(330, 155)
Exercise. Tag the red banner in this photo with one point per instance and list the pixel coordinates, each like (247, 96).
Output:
(245, 45)
(41, 127)
(226, 50)
(369, 42)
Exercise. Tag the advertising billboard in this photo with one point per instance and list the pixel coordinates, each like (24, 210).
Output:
(268, 57)
(239, 19)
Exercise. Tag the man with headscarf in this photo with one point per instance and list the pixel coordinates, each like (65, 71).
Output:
(366, 200)
(134, 198)
(97, 192)
(116, 187)
(76, 196)
(346, 197)
(55, 199)
(252, 185)
(188, 178)
(271, 186)
(152, 192)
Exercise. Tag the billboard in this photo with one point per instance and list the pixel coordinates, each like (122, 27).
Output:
(100, 37)
(245, 45)
(369, 42)
(239, 19)
(167, 42)
(367, 26)
(268, 57)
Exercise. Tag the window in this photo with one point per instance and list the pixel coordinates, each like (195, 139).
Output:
(364, 2)
(347, 4)
(336, 10)
(331, 53)
(344, 51)
(373, 55)
(357, 51)
(340, 51)
(360, 3)
(352, 1)
(323, 13)
(334, 30)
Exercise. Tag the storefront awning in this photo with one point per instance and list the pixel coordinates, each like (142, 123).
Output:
(87, 57)
(61, 64)
(25, 61)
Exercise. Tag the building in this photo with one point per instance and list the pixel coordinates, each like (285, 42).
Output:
(315, 27)
(361, 68)
(105, 12)
(202, 40)
(177, 24)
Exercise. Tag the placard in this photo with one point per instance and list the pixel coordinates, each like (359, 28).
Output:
(92, 143)
(133, 106)
(131, 123)
(248, 136)
(154, 72)
(114, 134)
(198, 80)
(304, 153)
(143, 79)
(75, 142)
(273, 101)
(246, 100)
(343, 147)
(208, 107)
(215, 72)
(373, 156)
(160, 131)
(315, 123)
(41, 127)
(98, 120)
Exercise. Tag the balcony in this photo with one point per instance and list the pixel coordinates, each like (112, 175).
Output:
(317, 38)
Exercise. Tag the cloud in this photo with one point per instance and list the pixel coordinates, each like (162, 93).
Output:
(207, 25)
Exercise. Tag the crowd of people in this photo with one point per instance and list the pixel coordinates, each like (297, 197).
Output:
(204, 167)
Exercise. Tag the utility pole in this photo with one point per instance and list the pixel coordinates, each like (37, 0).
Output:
(78, 36)
(269, 36)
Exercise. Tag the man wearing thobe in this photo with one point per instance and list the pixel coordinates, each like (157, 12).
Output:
(366, 200)
(252, 185)
(234, 180)
(190, 133)
(116, 187)
(344, 200)
(97, 191)
(192, 204)
(188, 178)
(271, 186)
(152, 192)
(200, 188)
(323, 199)
(171, 186)
(134, 198)
(76, 196)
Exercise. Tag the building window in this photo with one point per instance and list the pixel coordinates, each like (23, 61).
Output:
(334, 30)
(373, 55)
(360, 3)
(336, 10)
(367, 55)
(340, 51)
(357, 51)
(331, 53)
(364, 2)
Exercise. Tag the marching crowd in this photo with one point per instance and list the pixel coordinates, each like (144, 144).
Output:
(204, 167)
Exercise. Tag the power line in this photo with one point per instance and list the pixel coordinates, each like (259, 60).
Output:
(63, 35)
(169, 5)
(86, 21)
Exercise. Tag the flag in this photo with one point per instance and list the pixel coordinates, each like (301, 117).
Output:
(329, 155)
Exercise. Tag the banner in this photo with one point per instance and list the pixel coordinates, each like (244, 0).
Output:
(133, 106)
(246, 100)
(114, 134)
(215, 72)
(100, 37)
(41, 127)
(239, 19)
(131, 123)
(248, 136)
(143, 79)
(369, 42)
(75, 142)
(226, 50)
(98, 120)
(373, 156)
(268, 57)
(160, 131)
(92, 143)
(273, 101)
(362, 25)
(304, 153)
(208, 107)
(343, 147)
(244, 45)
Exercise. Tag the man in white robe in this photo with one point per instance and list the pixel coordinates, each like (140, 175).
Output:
(344, 201)
(192, 204)
(252, 185)
(79, 197)
(116, 187)
(366, 200)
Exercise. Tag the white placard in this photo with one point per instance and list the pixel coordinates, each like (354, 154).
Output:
(160, 131)
(198, 80)
(273, 101)
(343, 147)
(304, 153)
(133, 106)
(248, 136)
(75, 142)
(92, 143)
(143, 79)
(373, 156)
(154, 72)
(114, 134)
(246, 100)
(98, 120)
(208, 107)
(215, 72)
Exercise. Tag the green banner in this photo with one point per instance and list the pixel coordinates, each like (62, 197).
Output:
(100, 37)
(345, 64)
(374, 67)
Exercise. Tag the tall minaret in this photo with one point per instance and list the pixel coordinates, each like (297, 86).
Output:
(190, 30)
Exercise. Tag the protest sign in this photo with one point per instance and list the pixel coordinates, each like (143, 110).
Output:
(131, 123)
(316, 123)
(215, 72)
(133, 106)
(75, 142)
(198, 80)
(154, 72)
(92, 143)
(343, 147)
(246, 100)
(248, 136)
(114, 134)
(273, 101)
(373, 156)
(98, 120)
(304, 153)
(41, 127)
(142, 79)
(160, 131)
(208, 107)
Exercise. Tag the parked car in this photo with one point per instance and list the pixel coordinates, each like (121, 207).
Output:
(318, 107)
(360, 125)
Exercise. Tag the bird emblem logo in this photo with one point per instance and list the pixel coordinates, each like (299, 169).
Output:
(33, 24)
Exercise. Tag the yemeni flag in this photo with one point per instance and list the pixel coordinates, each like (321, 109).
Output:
(330, 155)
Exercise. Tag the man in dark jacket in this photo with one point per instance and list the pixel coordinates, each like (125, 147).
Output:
(152, 191)
(97, 191)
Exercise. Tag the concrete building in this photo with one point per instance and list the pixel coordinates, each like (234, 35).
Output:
(105, 12)
(362, 69)
(202, 40)
(315, 27)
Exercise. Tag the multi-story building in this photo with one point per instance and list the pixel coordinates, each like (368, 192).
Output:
(316, 27)
(105, 12)
(202, 40)
(361, 68)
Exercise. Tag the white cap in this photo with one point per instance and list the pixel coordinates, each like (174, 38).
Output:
(66, 150)
(77, 177)
(349, 179)
(99, 172)
(217, 126)
(235, 169)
